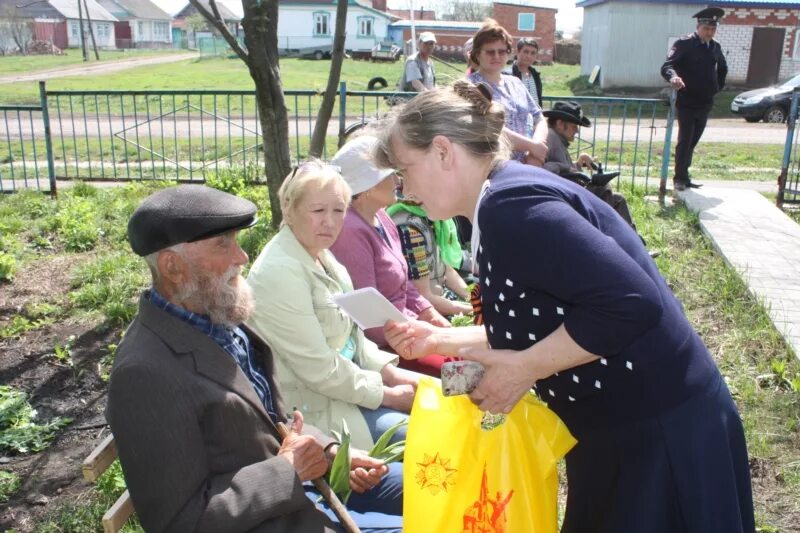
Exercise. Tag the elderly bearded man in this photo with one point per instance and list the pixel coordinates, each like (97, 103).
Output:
(193, 403)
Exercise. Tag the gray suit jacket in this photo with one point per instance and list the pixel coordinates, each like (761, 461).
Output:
(197, 447)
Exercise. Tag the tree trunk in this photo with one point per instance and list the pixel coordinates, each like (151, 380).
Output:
(329, 98)
(260, 23)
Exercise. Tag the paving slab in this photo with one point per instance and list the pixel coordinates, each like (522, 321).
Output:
(761, 243)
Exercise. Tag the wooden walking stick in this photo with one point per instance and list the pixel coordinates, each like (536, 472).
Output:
(328, 495)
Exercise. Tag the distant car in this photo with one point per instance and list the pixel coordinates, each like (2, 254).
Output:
(770, 103)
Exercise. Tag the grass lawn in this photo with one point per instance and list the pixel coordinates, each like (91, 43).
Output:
(72, 57)
(86, 225)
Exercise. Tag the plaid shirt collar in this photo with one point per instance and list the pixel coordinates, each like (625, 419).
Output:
(222, 335)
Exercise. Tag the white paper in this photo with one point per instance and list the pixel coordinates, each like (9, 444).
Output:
(368, 308)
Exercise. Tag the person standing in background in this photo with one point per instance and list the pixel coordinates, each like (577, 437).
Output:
(697, 69)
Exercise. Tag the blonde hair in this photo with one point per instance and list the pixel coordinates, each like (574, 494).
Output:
(463, 112)
(312, 174)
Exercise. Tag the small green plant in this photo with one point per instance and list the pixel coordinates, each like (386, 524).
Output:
(8, 266)
(230, 180)
(104, 366)
(19, 325)
(461, 320)
(109, 284)
(9, 483)
(19, 433)
(339, 476)
(63, 352)
(77, 224)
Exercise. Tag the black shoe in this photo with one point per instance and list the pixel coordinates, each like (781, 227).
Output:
(691, 185)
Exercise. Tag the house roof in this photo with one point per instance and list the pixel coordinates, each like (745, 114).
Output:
(721, 3)
(140, 9)
(434, 25)
(332, 4)
(419, 14)
(224, 12)
(30, 8)
(523, 3)
(69, 8)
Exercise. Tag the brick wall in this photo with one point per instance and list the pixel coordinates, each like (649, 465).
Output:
(449, 43)
(544, 29)
(735, 34)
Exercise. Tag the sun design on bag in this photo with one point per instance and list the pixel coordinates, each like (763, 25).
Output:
(435, 474)
(486, 514)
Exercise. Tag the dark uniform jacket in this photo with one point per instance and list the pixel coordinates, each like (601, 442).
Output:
(197, 447)
(703, 70)
(537, 79)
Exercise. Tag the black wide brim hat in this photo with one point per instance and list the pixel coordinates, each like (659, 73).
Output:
(568, 111)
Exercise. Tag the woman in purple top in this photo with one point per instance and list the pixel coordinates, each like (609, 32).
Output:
(369, 245)
(490, 49)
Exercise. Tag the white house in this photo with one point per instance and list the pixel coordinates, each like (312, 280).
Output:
(629, 39)
(102, 23)
(308, 26)
(142, 24)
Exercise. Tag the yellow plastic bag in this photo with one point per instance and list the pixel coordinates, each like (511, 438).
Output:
(459, 478)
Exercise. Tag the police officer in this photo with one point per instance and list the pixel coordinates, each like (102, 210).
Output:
(696, 68)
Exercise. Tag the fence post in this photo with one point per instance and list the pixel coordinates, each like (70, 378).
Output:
(662, 187)
(51, 166)
(342, 110)
(787, 148)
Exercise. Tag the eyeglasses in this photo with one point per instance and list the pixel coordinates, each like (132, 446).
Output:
(492, 52)
(307, 165)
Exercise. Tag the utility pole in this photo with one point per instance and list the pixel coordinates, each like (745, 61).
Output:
(91, 31)
(83, 39)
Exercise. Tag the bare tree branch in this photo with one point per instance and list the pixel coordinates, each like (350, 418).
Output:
(215, 19)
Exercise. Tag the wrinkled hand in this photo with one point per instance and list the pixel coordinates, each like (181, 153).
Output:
(677, 83)
(432, 316)
(399, 397)
(508, 377)
(585, 161)
(365, 471)
(538, 151)
(533, 160)
(303, 452)
(412, 339)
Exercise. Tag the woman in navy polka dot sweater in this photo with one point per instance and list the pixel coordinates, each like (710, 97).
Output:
(575, 308)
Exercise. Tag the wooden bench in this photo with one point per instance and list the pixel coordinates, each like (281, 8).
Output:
(93, 466)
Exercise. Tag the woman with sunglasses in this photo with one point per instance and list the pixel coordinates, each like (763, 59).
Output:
(369, 245)
(574, 307)
(326, 368)
(491, 47)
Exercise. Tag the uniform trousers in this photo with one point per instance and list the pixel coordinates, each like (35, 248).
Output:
(691, 124)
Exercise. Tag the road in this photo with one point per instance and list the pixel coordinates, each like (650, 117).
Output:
(718, 130)
(98, 67)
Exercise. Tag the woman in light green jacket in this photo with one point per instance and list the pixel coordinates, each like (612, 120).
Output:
(325, 366)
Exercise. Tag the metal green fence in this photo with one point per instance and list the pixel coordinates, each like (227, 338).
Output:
(185, 135)
(789, 179)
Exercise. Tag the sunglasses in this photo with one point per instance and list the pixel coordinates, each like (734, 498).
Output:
(308, 165)
(492, 52)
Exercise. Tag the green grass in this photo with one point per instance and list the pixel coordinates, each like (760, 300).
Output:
(9, 483)
(10, 65)
(20, 432)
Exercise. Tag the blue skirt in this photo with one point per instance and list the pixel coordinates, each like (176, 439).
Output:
(685, 470)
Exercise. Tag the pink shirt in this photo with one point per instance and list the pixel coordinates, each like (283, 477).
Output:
(372, 262)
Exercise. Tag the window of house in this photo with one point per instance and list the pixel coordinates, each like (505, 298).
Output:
(140, 29)
(73, 26)
(796, 54)
(160, 30)
(103, 31)
(365, 25)
(526, 21)
(322, 23)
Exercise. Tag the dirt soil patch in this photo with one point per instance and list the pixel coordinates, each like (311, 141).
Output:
(54, 388)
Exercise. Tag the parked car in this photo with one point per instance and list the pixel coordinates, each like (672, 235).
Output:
(770, 103)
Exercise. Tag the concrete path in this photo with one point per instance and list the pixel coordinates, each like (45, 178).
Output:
(96, 67)
(761, 243)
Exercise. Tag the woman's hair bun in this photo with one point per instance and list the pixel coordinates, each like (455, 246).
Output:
(479, 96)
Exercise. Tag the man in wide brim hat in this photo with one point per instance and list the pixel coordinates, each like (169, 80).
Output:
(568, 111)
(696, 68)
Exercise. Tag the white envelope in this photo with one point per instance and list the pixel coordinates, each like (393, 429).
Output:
(368, 308)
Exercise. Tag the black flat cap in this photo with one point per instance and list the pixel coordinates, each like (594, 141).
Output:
(569, 111)
(709, 16)
(186, 213)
